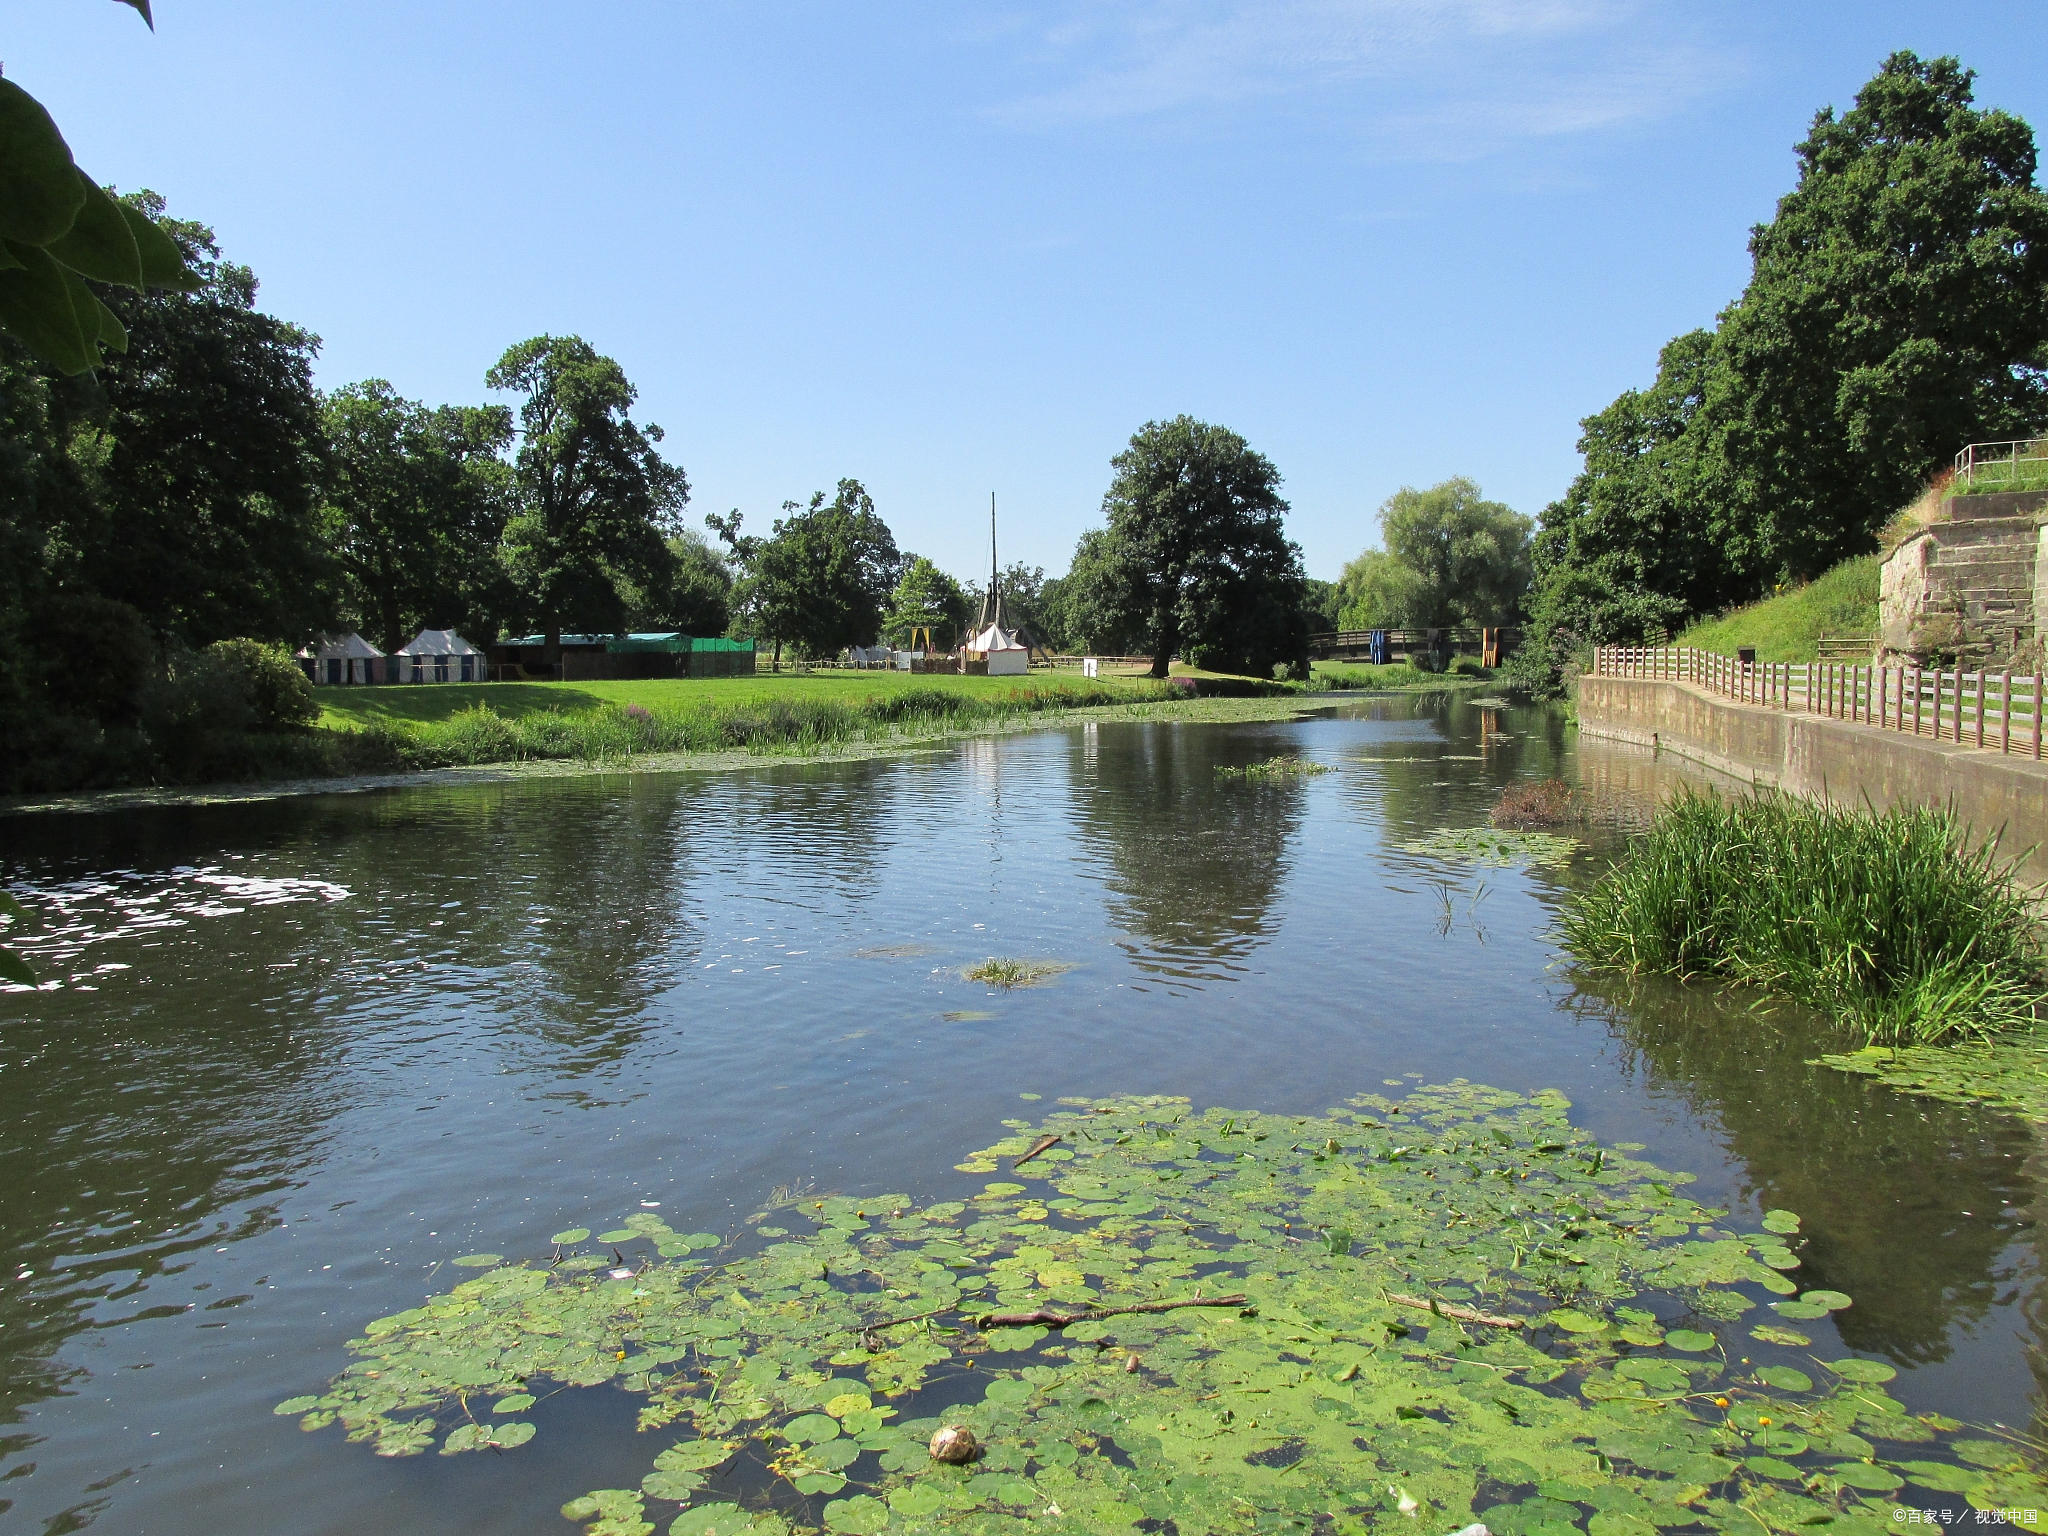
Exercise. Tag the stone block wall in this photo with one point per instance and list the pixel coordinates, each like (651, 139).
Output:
(1985, 567)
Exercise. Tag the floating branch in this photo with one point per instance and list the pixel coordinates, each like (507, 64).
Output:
(1454, 1312)
(1045, 1319)
(1043, 1144)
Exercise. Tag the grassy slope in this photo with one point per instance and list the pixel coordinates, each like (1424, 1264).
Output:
(1786, 627)
(345, 708)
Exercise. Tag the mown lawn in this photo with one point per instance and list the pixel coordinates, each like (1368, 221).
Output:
(430, 703)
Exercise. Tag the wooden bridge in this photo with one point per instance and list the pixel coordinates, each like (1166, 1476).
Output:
(1486, 646)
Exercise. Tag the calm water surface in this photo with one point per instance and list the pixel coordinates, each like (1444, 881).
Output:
(308, 1051)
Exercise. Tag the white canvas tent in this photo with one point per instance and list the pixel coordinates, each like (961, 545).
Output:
(1005, 653)
(341, 659)
(1003, 650)
(441, 656)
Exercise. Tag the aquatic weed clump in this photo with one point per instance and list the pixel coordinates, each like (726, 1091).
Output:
(1404, 1314)
(1888, 921)
(1272, 770)
(1530, 803)
(1004, 972)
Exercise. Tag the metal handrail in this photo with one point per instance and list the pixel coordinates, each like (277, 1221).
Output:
(1981, 454)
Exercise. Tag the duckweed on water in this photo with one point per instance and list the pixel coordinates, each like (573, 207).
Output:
(1455, 1306)
(1493, 845)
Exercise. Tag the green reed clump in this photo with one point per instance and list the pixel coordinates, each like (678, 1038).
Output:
(1888, 921)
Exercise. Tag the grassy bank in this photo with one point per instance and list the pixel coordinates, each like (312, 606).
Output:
(356, 708)
(523, 722)
(1788, 627)
(1886, 921)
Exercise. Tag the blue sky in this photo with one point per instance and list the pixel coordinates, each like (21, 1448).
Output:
(953, 249)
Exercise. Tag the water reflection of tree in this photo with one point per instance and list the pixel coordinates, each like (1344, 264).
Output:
(1194, 865)
(1879, 1179)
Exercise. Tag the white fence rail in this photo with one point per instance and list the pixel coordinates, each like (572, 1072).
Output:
(1994, 711)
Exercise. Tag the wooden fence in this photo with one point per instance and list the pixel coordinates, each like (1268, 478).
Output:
(1990, 710)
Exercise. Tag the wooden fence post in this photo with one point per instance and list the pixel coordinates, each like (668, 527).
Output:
(1916, 700)
(2005, 713)
(1980, 707)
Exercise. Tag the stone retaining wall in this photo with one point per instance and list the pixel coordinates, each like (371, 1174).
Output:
(1812, 755)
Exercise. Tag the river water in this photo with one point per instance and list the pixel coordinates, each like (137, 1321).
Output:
(306, 1051)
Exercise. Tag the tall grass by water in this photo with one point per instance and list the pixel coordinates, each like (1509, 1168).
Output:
(1887, 921)
(783, 726)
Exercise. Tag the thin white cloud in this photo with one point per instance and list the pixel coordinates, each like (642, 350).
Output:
(1451, 74)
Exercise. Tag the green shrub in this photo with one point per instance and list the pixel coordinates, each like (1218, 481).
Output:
(275, 690)
(1887, 921)
(476, 735)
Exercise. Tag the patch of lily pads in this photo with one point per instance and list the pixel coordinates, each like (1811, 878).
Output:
(1404, 1314)
(1494, 846)
(2008, 1071)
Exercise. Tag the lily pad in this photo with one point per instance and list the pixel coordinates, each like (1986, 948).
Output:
(1866, 1476)
(1799, 1311)
(1571, 1320)
(478, 1260)
(1833, 1301)
(1784, 1376)
(1872, 1371)
(573, 1235)
(1780, 1221)
(1691, 1340)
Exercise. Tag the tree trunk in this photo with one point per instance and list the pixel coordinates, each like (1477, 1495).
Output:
(392, 638)
(1163, 643)
(554, 650)
(776, 665)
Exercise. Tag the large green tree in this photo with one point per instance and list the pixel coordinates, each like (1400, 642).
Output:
(204, 460)
(1897, 309)
(696, 597)
(1451, 558)
(595, 501)
(822, 580)
(416, 503)
(1195, 556)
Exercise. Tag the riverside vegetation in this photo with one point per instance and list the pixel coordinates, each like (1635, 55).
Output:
(1404, 1313)
(1889, 922)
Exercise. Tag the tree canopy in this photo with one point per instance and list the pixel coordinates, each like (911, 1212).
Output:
(1897, 309)
(1451, 558)
(417, 500)
(594, 499)
(822, 580)
(1195, 556)
(927, 598)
